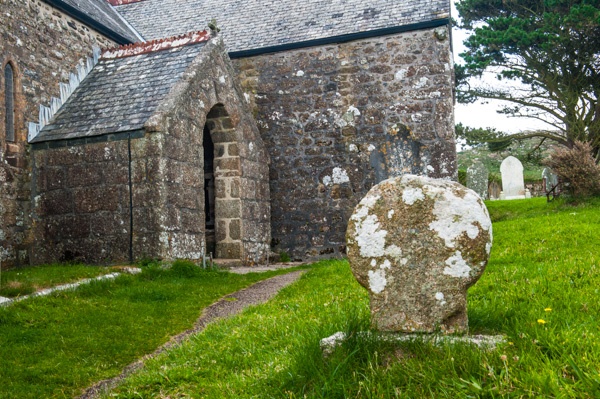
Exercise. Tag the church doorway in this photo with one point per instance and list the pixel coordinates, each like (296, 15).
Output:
(222, 172)
(209, 192)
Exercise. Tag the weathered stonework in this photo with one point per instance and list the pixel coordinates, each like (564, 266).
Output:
(417, 244)
(148, 198)
(339, 118)
(44, 46)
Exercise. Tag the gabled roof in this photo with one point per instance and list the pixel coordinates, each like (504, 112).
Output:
(99, 15)
(124, 88)
(248, 25)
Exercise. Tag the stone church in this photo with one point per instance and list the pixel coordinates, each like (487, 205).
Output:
(177, 128)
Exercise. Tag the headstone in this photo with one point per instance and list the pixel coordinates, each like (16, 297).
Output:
(513, 186)
(417, 244)
(477, 179)
(550, 179)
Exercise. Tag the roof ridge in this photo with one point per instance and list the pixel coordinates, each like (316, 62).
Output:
(151, 46)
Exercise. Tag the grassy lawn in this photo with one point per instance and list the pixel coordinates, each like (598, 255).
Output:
(18, 282)
(541, 289)
(53, 347)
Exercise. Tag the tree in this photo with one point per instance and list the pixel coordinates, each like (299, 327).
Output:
(551, 48)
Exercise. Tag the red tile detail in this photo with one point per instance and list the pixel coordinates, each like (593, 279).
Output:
(122, 2)
(156, 45)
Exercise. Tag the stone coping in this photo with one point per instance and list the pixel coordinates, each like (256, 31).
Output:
(71, 286)
(486, 342)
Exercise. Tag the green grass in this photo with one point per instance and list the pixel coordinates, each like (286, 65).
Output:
(19, 282)
(53, 347)
(541, 289)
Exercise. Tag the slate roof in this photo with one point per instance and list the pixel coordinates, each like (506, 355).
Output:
(253, 24)
(100, 12)
(119, 94)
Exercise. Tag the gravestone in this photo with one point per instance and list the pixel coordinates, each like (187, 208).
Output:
(477, 178)
(417, 244)
(513, 186)
(550, 179)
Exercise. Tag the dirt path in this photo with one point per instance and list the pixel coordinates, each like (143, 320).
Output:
(227, 306)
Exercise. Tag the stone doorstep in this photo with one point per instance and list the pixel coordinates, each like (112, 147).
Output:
(71, 286)
(485, 342)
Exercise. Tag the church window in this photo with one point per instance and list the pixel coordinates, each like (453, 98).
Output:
(9, 101)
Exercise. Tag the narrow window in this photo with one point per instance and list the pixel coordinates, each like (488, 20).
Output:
(9, 101)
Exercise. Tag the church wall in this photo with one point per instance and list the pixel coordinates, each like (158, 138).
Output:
(82, 202)
(339, 118)
(44, 45)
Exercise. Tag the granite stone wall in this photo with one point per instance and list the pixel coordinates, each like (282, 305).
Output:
(153, 180)
(210, 95)
(43, 45)
(81, 202)
(339, 118)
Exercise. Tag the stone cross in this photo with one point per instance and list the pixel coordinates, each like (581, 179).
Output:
(417, 244)
(477, 179)
(513, 186)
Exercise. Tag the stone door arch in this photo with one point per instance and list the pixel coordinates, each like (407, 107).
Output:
(226, 175)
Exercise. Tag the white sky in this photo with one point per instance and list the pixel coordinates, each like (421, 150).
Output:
(485, 115)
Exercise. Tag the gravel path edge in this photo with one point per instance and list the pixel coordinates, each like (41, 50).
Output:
(227, 306)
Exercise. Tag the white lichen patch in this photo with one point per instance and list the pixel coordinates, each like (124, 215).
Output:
(457, 266)
(373, 262)
(339, 175)
(352, 148)
(371, 148)
(394, 251)
(400, 74)
(300, 73)
(353, 110)
(386, 265)
(377, 281)
(368, 235)
(456, 215)
(439, 296)
(412, 194)
(390, 213)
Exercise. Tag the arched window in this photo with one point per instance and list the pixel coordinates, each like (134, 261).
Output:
(9, 101)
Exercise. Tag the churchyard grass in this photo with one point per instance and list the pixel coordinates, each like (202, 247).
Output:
(55, 346)
(541, 290)
(19, 282)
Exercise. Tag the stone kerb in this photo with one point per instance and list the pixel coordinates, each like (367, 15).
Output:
(417, 244)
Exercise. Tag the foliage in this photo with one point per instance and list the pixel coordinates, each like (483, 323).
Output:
(539, 290)
(55, 346)
(551, 49)
(530, 152)
(577, 167)
(496, 140)
(284, 257)
(185, 268)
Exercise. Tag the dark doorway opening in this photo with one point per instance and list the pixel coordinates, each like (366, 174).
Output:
(209, 191)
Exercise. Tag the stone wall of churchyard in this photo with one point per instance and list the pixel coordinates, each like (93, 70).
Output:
(338, 119)
(43, 46)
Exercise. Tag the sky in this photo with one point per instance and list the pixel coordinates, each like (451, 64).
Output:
(484, 115)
